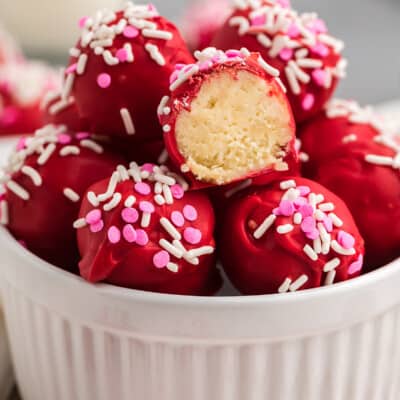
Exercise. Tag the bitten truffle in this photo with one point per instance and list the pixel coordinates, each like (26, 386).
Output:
(291, 235)
(119, 70)
(298, 45)
(43, 184)
(141, 230)
(352, 153)
(227, 118)
(23, 86)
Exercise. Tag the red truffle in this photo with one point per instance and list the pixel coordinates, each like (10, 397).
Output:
(141, 230)
(291, 235)
(119, 70)
(22, 89)
(352, 154)
(298, 45)
(227, 119)
(42, 187)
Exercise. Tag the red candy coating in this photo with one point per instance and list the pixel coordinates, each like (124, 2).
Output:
(22, 89)
(39, 204)
(120, 69)
(186, 83)
(297, 45)
(351, 154)
(138, 243)
(263, 239)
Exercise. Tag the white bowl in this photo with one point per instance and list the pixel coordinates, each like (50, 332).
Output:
(74, 341)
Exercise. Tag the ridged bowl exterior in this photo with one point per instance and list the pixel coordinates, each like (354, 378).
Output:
(75, 341)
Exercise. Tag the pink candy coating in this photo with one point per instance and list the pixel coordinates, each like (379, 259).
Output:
(141, 237)
(177, 218)
(104, 80)
(142, 188)
(130, 215)
(190, 212)
(192, 235)
(114, 235)
(129, 233)
(161, 259)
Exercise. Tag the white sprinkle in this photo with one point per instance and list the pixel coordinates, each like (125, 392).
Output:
(299, 73)
(238, 188)
(301, 53)
(296, 285)
(297, 218)
(310, 252)
(98, 51)
(264, 40)
(317, 245)
(336, 220)
(278, 44)
(312, 199)
(112, 184)
(281, 84)
(81, 65)
(155, 54)
(80, 223)
(159, 199)
(185, 168)
(92, 198)
(101, 43)
(48, 98)
(184, 77)
(68, 84)
(309, 63)
(123, 173)
(109, 59)
(319, 215)
(171, 248)
(130, 57)
(33, 174)
(325, 236)
(163, 157)
(171, 230)
(135, 172)
(127, 120)
(319, 198)
(167, 194)
(285, 185)
(71, 195)
(284, 229)
(163, 104)
(332, 264)
(326, 207)
(349, 138)
(245, 52)
(167, 128)
(292, 194)
(146, 218)
(157, 34)
(242, 23)
(172, 267)
(379, 160)
(285, 286)
(74, 52)
(268, 68)
(292, 80)
(4, 217)
(167, 180)
(69, 150)
(341, 250)
(18, 190)
(60, 106)
(113, 203)
(130, 201)
(201, 251)
(337, 45)
(265, 225)
(91, 145)
(330, 278)
(44, 157)
(158, 188)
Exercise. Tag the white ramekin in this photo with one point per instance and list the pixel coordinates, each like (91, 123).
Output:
(74, 341)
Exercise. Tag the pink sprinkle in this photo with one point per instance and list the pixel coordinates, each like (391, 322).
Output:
(146, 207)
(179, 67)
(147, 167)
(21, 144)
(286, 54)
(161, 259)
(328, 224)
(293, 31)
(130, 32)
(93, 216)
(314, 234)
(190, 212)
(308, 225)
(216, 59)
(300, 201)
(152, 7)
(356, 266)
(287, 208)
(187, 68)
(283, 3)
(304, 190)
(122, 55)
(114, 235)
(346, 240)
(306, 210)
(104, 80)
(276, 211)
(192, 235)
(82, 22)
(308, 102)
(71, 69)
(177, 191)
(142, 188)
(63, 138)
(129, 233)
(177, 218)
(318, 26)
(82, 135)
(258, 20)
(130, 215)
(141, 237)
(174, 76)
(97, 226)
(9, 115)
(320, 49)
(319, 77)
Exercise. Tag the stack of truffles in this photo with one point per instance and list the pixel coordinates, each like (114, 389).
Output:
(158, 163)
